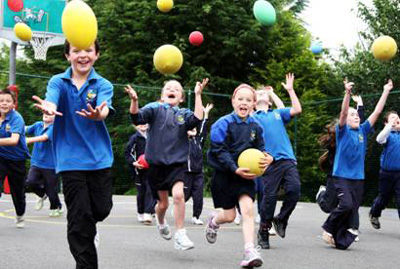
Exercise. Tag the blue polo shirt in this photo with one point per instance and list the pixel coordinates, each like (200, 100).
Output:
(390, 157)
(277, 142)
(351, 147)
(167, 140)
(230, 136)
(14, 124)
(80, 143)
(42, 154)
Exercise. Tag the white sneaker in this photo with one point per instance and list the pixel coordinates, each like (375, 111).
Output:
(251, 258)
(197, 221)
(356, 233)
(39, 202)
(182, 241)
(147, 219)
(322, 189)
(55, 213)
(97, 240)
(238, 218)
(20, 221)
(140, 218)
(164, 230)
(272, 231)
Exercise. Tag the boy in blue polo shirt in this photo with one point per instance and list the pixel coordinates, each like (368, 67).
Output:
(81, 99)
(13, 152)
(389, 176)
(167, 151)
(42, 177)
(283, 171)
(348, 168)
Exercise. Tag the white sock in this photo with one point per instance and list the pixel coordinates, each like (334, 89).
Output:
(248, 246)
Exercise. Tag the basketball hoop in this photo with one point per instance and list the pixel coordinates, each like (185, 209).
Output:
(40, 44)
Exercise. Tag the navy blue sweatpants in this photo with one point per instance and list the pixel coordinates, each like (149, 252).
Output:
(281, 172)
(389, 185)
(194, 188)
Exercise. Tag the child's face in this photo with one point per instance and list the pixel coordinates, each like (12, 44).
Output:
(142, 127)
(243, 102)
(6, 103)
(48, 119)
(262, 96)
(82, 61)
(172, 93)
(394, 120)
(353, 120)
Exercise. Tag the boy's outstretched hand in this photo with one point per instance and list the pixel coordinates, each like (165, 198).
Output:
(131, 92)
(91, 113)
(200, 86)
(289, 82)
(46, 107)
(348, 86)
(388, 86)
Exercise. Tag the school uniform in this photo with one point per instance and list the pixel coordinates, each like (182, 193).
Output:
(283, 171)
(12, 159)
(167, 144)
(134, 148)
(83, 156)
(389, 175)
(194, 178)
(230, 136)
(42, 177)
(348, 173)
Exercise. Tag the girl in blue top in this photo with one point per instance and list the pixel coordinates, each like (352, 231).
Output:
(348, 169)
(13, 151)
(389, 176)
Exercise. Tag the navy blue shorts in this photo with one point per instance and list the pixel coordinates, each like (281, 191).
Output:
(164, 177)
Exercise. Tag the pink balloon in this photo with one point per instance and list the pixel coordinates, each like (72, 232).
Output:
(196, 38)
(16, 5)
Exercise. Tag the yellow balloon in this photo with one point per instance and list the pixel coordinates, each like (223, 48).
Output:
(79, 24)
(165, 5)
(168, 59)
(250, 158)
(384, 48)
(23, 31)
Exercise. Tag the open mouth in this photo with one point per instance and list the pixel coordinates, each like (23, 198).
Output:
(243, 110)
(171, 96)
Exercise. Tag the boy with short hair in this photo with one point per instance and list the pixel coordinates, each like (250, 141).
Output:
(13, 152)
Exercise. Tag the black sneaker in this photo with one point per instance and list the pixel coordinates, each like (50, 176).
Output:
(279, 226)
(263, 238)
(375, 222)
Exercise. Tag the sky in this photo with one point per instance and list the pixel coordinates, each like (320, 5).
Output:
(334, 22)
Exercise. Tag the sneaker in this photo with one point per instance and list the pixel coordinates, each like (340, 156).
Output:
(322, 189)
(197, 221)
(356, 233)
(252, 258)
(328, 238)
(97, 239)
(140, 218)
(375, 222)
(147, 219)
(272, 231)
(182, 241)
(39, 202)
(164, 230)
(211, 230)
(238, 218)
(263, 238)
(20, 221)
(54, 213)
(279, 226)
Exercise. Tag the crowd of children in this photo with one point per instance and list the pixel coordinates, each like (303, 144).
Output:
(165, 156)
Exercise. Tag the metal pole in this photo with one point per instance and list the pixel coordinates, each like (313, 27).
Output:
(13, 65)
(189, 99)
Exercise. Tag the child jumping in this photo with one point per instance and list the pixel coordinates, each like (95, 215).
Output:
(167, 151)
(230, 185)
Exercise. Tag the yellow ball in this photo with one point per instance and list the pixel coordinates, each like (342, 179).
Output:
(79, 24)
(168, 59)
(165, 5)
(23, 31)
(384, 48)
(250, 158)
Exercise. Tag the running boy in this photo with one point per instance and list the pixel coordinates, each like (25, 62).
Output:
(133, 150)
(13, 152)
(389, 176)
(283, 171)
(167, 151)
(42, 177)
(230, 185)
(82, 147)
(348, 168)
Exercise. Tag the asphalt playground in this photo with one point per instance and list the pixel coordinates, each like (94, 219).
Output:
(125, 243)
